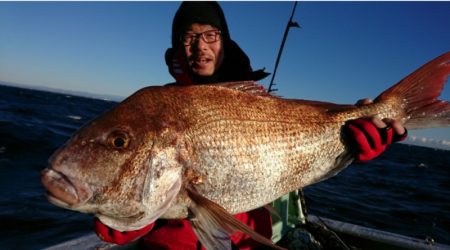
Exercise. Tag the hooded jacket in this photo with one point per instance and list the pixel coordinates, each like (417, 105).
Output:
(236, 65)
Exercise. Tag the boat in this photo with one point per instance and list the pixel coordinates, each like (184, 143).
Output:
(352, 237)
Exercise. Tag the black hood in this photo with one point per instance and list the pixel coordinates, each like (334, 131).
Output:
(236, 64)
(198, 12)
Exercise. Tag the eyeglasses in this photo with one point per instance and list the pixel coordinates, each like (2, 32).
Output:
(208, 36)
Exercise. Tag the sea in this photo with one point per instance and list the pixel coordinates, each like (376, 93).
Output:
(406, 190)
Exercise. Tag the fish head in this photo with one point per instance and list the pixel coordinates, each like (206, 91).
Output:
(122, 167)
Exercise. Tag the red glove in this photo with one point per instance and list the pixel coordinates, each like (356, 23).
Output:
(369, 140)
(108, 234)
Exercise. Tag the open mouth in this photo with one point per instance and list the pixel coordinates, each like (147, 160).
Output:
(61, 191)
(201, 62)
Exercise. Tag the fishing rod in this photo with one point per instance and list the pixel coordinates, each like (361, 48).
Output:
(299, 194)
(289, 25)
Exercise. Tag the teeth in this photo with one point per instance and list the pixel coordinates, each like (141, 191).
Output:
(203, 60)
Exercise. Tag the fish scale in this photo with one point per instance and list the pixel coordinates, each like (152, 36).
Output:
(265, 141)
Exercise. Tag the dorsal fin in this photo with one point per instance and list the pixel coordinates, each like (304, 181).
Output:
(214, 225)
(251, 87)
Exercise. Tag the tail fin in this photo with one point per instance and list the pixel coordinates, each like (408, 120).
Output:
(420, 91)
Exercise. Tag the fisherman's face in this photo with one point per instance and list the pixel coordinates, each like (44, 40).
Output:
(204, 57)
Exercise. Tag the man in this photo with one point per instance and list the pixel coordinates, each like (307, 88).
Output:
(200, 40)
(203, 53)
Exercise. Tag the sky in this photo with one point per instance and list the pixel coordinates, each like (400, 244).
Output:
(343, 52)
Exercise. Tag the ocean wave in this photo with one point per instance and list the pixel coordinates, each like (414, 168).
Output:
(74, 117)
(401, 197)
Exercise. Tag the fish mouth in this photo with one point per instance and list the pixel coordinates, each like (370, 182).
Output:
(61, 190)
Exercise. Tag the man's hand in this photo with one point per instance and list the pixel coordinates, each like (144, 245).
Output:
(108, 234)
(371, 136)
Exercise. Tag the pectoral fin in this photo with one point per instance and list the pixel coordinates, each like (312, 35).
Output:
(214, 226)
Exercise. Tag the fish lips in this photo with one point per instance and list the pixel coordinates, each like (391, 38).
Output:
(63, 191)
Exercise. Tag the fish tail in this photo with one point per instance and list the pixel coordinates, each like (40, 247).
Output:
(419, 92)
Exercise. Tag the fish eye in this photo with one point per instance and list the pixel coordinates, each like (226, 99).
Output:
(119, 140)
